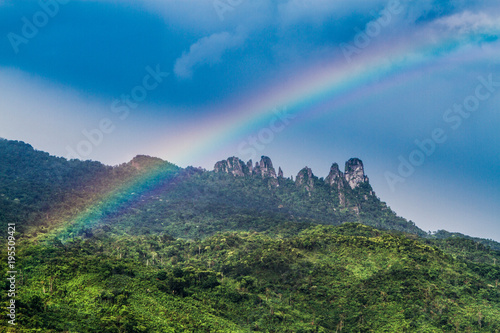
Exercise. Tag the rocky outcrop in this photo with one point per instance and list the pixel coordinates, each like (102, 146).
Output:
(256, 169)
(335, 177)
(237, 167)
(353, 175)
(232, 165)
(342, 202)
(354, 172)
(250, 166)
(266, 168)
(305, 178)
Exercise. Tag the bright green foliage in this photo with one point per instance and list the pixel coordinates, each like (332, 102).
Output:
(350, 278)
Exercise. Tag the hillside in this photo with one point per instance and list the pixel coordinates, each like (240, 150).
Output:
(147, 246)
(351, 278)
(148, 195)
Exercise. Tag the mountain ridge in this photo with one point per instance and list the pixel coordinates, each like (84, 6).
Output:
(348, 201)
(148, 246)
(353, 172)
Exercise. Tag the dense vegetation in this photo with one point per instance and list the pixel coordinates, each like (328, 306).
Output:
(325, 279)
(150, 247)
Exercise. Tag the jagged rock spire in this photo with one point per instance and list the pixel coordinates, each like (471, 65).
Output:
(250, 166)
(265, 168)
(237, 167)
(305, 178)
(335, 176)
(354, 172)
(232, 165)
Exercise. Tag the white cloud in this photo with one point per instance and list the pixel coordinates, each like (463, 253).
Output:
(207, 51)
(467, 22)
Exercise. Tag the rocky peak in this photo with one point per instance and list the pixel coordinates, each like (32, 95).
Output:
(354, 172)
(256, 169)
(265, 168)
(305, 177)
(232, 165)
(335, 176)
(280, 173)
(237, 167)
(250, 166)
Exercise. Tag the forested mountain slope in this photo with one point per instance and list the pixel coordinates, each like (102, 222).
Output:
(42, 192)
(350, 278)
(150, 247)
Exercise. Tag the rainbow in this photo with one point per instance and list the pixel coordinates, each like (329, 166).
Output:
(326, 87)
(129, 191)
(334, 84)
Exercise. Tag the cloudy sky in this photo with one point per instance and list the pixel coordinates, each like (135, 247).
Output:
(410, 87)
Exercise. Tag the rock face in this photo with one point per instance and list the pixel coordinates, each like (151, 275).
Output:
(266, 168)
(250, 166)
(232, 165)
(335, 177)
(237, 167)
(354, 173)
(305, 178)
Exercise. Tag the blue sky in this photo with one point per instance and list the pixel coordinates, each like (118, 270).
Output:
(198, 69)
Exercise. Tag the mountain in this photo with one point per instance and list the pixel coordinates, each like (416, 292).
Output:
(148, 246)
(46, 191)
(340, 197)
